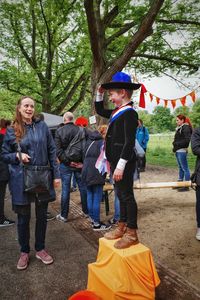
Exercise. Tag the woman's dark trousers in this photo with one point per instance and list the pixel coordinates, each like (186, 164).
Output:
(40, 227)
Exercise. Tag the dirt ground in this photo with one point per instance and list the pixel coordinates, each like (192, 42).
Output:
(167, 224)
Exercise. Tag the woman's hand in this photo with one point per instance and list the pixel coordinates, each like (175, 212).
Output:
(56, 183)
(118, 174)
(25, 157)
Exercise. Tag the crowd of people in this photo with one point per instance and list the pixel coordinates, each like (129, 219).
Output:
(87, 157)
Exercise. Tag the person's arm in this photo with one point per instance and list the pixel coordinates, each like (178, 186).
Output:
(9, 148)
(52, 154)
(195, 142)
(59, 149)
(99, 105)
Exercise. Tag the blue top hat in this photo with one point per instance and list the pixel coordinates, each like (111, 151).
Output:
(121, 80)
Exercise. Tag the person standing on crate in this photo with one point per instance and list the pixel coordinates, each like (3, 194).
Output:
(142, 136)
(119, 145)
(28, 142)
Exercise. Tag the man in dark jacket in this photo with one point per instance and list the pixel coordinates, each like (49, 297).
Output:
(195, 145)
(3, 183)
(63, 137)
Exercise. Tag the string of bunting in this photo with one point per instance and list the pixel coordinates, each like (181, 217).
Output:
(173, 102)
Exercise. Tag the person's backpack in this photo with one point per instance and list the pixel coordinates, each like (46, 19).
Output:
(76, 149)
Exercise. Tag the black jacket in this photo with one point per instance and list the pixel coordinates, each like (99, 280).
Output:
(4, 173)
(63, 137)
(90, 175)
(120, 138)
(195, 145)
(182, 137)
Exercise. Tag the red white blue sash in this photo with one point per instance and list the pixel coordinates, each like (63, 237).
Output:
(119, 112)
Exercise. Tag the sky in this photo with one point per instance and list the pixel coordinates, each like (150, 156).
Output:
(167, 88)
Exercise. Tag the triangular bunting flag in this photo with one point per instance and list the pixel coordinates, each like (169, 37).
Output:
(193, 96)
(157, 100)
(173, 103)
(151, 97)
(183, 100)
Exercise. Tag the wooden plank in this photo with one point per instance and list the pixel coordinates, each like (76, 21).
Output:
(154, 185)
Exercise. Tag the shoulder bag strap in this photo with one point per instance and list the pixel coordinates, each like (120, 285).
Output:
(89, 148)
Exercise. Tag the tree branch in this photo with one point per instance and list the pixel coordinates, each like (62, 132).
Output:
(110, 16)
(19, 92)
(95, 28)
(60, 107)
(182, 22)
(170, 60)
(81, 96)
(142, 33)
(124, 29)
(33, 36)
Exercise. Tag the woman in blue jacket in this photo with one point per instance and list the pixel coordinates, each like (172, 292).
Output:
(142, 136)
(37, 148)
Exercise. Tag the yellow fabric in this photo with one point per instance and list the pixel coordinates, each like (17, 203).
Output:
(126, 274)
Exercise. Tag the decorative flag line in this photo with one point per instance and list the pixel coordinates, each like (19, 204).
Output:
(173, 102)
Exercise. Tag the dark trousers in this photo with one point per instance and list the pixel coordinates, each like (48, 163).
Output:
(198, 206)
(3, 185)
(142, 162)
(124, 189)
(23, 227)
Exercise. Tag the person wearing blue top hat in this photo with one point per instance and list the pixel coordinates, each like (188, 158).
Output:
(119, 144)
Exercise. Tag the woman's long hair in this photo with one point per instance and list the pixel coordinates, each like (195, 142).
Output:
(185, 119)
(18, 123)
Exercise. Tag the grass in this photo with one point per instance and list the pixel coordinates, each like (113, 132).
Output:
(159, 152)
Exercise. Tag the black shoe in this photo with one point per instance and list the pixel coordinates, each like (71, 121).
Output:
(113, 221)
(50, 216)
(6, 222)
(183, 189)
(101, 227)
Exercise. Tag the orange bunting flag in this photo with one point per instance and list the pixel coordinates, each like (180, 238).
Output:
(151, 97)
(193, 96)
(157, 100)
(165, 103)
(173, 103)
(183, 100)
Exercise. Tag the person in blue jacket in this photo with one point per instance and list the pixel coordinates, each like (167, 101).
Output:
(37, 148)
(142, 136)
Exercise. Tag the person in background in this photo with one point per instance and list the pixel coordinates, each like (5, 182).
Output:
(64, 135)
(195, 145)
(180, 148)
(93, 180)
(37, 146)
(142, 136)
(4, 176)
(119, 145)
(50, 216)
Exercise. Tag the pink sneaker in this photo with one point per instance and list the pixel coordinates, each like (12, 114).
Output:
(44, 257)
(23, 261)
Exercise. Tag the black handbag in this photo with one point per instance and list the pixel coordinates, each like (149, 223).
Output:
(37, 179)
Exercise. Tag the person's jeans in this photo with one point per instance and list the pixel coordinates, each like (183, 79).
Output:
(184, 172)
(198, 206)
(23, 227)
(66, 175)
(116, 206)
(73, 181)
(2, 197)
(94, 197)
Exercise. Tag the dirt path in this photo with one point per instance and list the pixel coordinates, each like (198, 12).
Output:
(167, 224)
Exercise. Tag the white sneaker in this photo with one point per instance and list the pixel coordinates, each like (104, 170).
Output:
(60, 218)
(198, 234)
